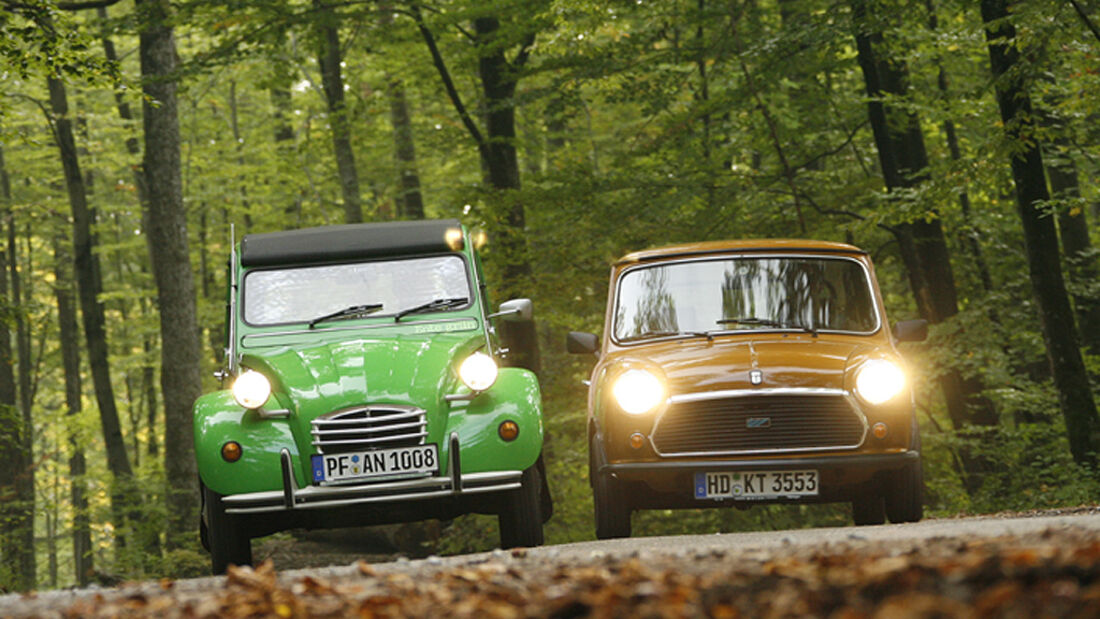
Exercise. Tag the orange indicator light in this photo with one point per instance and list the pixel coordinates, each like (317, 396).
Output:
(879, 430)
(231, 451)
(637, 440)
(508, 430)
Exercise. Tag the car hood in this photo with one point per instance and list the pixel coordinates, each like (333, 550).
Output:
(410, 369)
(784, 362)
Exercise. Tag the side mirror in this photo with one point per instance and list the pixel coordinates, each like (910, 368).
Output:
(516, 309)
(911, 330)
(578, 342)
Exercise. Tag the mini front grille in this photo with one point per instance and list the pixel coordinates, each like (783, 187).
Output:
(759, 423)
(369, 427)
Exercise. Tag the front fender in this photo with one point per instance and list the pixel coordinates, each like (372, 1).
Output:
(514, 396)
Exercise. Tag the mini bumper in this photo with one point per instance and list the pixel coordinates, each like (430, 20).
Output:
(293, 497)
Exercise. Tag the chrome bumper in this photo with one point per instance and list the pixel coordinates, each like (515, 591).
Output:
(454, 483)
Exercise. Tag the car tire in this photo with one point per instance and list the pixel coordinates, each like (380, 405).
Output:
(868, 510)
(521, 519)
(227, 540)
(904, 495)
(611, 510)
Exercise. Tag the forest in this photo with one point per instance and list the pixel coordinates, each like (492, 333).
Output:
(955, 140)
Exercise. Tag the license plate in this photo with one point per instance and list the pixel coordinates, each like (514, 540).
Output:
(377, 464)
(756, 484)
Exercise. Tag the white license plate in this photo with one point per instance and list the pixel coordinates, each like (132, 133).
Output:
(756, 484)
(376, 464)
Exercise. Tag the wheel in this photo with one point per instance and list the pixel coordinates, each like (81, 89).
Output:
(904, 496)
(521, 519)
(612, 512)
(868, 509)
(225, 537)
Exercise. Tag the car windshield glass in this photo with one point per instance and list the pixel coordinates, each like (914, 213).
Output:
(301, 294)
(740, 294)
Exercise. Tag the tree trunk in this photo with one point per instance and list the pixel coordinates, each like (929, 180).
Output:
(1077, 248)
(12, 460)
(904, 162)
(166, 234)
(23, 524)
(1040, 237)
(410, 204)
(332, 82)
(68, 334)
(501, 164)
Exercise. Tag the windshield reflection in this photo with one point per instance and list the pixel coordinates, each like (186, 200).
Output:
(738, 294)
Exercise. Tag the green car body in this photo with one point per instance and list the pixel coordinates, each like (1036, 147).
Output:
(368, 420)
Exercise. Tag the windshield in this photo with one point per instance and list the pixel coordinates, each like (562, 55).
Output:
(751, 293)
(301, 294)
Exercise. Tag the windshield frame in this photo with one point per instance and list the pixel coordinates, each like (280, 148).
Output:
(242, 312)
(721, 331)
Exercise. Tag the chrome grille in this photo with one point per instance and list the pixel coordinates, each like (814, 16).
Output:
(759, 423)
(369, 427)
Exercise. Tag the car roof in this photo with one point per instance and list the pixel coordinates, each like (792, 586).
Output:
(347, 242)
(741, 246)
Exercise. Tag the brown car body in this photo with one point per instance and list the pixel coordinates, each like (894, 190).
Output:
(739, 400)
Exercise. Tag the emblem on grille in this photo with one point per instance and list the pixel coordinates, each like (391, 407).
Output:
(758, 422)
(756, 377)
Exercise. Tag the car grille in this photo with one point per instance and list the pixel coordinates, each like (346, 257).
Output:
(369, 427)
(759, 423)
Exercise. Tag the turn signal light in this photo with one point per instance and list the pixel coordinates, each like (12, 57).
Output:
(231, 451)
(879, 430)
(637, 440)
(508, 430)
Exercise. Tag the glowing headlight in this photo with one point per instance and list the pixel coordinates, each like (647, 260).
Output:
(478, 371)
(251, 389)
(879, 381)
(638, 391)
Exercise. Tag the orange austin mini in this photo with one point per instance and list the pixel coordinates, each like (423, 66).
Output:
(742, 372)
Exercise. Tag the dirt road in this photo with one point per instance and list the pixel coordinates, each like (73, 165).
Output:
(1045, 564)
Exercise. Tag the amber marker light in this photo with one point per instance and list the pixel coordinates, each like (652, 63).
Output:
(637, 440)
(879, 430)
(453, 238)
(508, 430)
(231, 451)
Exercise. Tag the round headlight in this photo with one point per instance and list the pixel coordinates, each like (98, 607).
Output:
(478, 371)
(879, 381)
(638, 391)
(251, 389)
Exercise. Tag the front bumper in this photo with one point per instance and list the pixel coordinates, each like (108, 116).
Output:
(293, 497)
(669, 483)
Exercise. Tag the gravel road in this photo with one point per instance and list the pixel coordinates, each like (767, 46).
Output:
(1038, 564)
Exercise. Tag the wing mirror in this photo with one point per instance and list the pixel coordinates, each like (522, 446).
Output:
(578, 342)
(911, 330)
(519, 310)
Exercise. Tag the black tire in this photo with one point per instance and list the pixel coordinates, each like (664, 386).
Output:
(868, 510)
(521, 518)
(904, 496)
(227, 540)
(612, 511)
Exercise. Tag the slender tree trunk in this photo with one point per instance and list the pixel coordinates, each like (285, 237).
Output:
(410, 204)
(24, 482)
(68, 334)
(332, 82)
(1081, 265)
(1040, 237)
(281, 103)
(904, 162)
(166, 234)
(12, 460)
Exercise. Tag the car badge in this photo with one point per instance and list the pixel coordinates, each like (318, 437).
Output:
(756, 377)
(758, 422)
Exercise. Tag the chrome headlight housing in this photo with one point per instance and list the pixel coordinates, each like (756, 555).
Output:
(251, 389)
(638, 391)
(478, 371)
(878, 381)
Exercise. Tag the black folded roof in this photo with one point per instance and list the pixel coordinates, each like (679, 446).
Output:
(346, 242)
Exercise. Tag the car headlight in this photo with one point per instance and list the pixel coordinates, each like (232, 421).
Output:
(251, 389)
(879, 381)
(478, 371)
(638, 391)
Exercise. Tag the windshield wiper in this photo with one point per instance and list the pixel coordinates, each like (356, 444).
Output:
(437, 304)
(765, 322)
(347, 312)
(647, 334)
